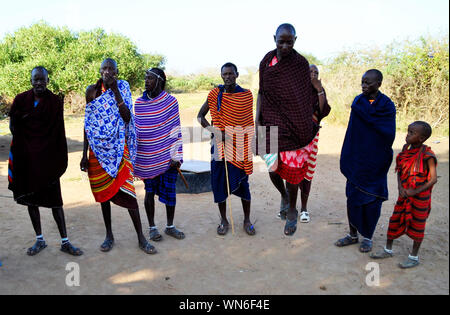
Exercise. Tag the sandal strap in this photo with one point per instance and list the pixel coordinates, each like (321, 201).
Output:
(148, 248)
(154, 232)
(415, 258)
(249, 227)
(151, 246)
(173, 231)
(367, 241)
(290, 223)
(69, 248)
(389, 251)
(107, 243)
(37, 247)
(347, 240)
(222, 229)
(38, 244)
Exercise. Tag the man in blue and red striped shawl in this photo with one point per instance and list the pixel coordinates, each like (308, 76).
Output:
(231, 110)
(109, 134)
(365, 159)
(159, 149)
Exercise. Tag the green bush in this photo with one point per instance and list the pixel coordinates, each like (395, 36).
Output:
(206, 82)
(191, 83)
(416, 78)
(72, 59)
(313, 60)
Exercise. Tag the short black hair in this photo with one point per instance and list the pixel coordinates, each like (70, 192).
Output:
(286, 26)
(111, 61)
(40, 68)
(159, 72)
(426, 128)
(377, 73)
(229, 64)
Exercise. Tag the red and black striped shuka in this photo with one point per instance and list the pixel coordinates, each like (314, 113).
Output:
(236, 114)
(411, 213)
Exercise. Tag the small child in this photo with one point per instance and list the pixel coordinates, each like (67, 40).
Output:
(416, 174)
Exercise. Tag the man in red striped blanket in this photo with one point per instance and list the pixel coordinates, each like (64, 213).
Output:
(416, 174)
(231, 110)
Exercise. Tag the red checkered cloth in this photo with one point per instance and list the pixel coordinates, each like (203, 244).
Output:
(292, 175)
(286, 101)
(295, 166)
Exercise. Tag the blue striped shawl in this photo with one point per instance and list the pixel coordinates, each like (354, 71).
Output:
(158, 131)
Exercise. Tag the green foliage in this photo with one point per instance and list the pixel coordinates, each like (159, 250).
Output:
(206, 82)
(191, 83)
(72, 59)
(311, 59)
(416, 73)
(416, 78)
(191, 100)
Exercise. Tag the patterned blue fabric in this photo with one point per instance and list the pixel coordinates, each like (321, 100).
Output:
(164, 186)
(107, 132)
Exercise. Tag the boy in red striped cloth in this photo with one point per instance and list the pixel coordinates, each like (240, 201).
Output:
(416, 169)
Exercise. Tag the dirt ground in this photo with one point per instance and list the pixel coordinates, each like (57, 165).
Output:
(205, 263)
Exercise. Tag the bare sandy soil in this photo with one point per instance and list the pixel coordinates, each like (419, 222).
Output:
(205, 263)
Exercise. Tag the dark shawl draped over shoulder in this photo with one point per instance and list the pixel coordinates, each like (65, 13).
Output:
(367, 150)
(286, 101)
(39, 147)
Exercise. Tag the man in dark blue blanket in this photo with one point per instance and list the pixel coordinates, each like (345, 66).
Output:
(366, 157)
